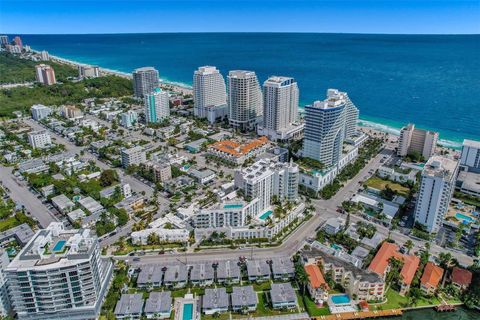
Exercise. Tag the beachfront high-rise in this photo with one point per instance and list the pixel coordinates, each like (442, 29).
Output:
(416, 140)
(145, 80)
(244, 100)
(324, 131)
(437, 184)
(157, 106)
(3, 40)
(351, 111)
(209, 92)
(18, 41)
(45, 74)
(59, 274)
(470, 159)
(280, 109)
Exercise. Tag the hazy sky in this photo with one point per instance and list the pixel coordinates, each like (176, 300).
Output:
(119, 16)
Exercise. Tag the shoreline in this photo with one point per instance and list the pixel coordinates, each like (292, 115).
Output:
(188, 89)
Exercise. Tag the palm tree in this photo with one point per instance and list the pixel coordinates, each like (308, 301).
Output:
(409, 245)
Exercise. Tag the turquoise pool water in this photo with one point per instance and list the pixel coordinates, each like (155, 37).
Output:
(336, 247)
(187, 311)
(59, 246)
(232, 206)
(341, 299)
(265, 215)
(463, 217)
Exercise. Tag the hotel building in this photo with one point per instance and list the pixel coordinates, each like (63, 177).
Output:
(245, 101)
(437, 184)
(144, 81)
(157, 106)
(45, 74)
(210, 95)
(59, 274)
(416, 140)
(280, 109)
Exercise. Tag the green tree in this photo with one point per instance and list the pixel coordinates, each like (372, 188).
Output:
(108, 177)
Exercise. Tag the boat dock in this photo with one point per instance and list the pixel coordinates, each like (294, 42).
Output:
(445, 308)
(362, 315)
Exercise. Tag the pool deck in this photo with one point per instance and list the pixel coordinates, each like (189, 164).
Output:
(362, 315)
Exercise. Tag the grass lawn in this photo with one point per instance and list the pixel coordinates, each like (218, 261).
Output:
(313, 310)
(130, 247)
(9, 223)
(262, 286)
(380, 184)
(396, 301)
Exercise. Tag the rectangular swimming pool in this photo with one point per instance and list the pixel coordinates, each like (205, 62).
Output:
(463, 217)
(265, 215)
(187, 311)
(59, 246)
(340, 299)
(232, 206)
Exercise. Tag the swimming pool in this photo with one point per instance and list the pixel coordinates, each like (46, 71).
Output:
(59, 246)
(265, 215)
(232, 206)
(187, 311)
(340, 299)
(463, 217)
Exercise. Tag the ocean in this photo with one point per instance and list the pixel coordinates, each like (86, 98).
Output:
(430, 80)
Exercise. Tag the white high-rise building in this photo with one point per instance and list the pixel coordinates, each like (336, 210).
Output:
(59, 274)
(145, 80)
(245, 101)
(351, 111)
(210, 95)
(86, 71)
(470, 158)
(44, 55)
(128, 119)
(39, 139)
(157, 106)
(133, 156)
(266, 178)
(436, 188)
(417, 140)
(39, 112)
(4, 299)
(280, 109)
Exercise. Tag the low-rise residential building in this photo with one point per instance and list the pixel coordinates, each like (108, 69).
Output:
(202, 274)
(431, 277)
(33, 166)
(381, 264)
(176, 276)
(195, 146)
(91, 205)
(62, 203)
(130, 306)
(166, 235)
(333, 225)
(39, 139)
(150, 276)
(397, 174)
(244, 299)
(21, 234)
(317, 286)
(158, 305)
(133, 156)
(215, 301)
(237, 153)
(258, 270)
(228, 272)
(283, 296)
(461, 278)
(468, 183)
(202, 176)
(282, 269)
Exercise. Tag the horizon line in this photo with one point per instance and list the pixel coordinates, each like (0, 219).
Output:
(243, 32)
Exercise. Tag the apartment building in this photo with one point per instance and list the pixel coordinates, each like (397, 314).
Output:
(235, 152)
(470, 158)
(210, 95)
(39, 112)
(145, 80)
(39, 139)
(133, 156)
(45, 74)
(157, 106)
(417, 140)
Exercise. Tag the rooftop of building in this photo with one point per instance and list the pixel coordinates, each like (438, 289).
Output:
(133, 150)
(389, 250)
(237, 149)
(215, 298)
(282, 292)
(461, 276)
(55, 247)
(241, 74)
(471, 143)
(228, 269)
(158, 302)
(439, 166)
(432, 275)
(258, 268)
(200, 174)
(244, 296)
(470, 181)
(23, 233)
(143, 69)
(129, 304)
(150, 274)
(315, 276)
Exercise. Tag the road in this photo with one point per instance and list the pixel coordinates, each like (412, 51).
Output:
(20, 194)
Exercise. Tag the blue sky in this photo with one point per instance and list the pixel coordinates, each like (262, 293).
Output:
(123, 16)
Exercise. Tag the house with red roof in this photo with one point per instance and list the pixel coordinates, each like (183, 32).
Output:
(432, 274)
(381, 264)
(461, 278)
(317, 286)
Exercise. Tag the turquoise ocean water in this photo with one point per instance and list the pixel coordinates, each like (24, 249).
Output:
(430, 80)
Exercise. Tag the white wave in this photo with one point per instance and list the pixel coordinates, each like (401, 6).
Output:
(379, 126)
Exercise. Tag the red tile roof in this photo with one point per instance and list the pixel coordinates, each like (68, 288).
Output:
(315, 276)
(461, 276)
(388, 250)
(431, 275)
(236, 149)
